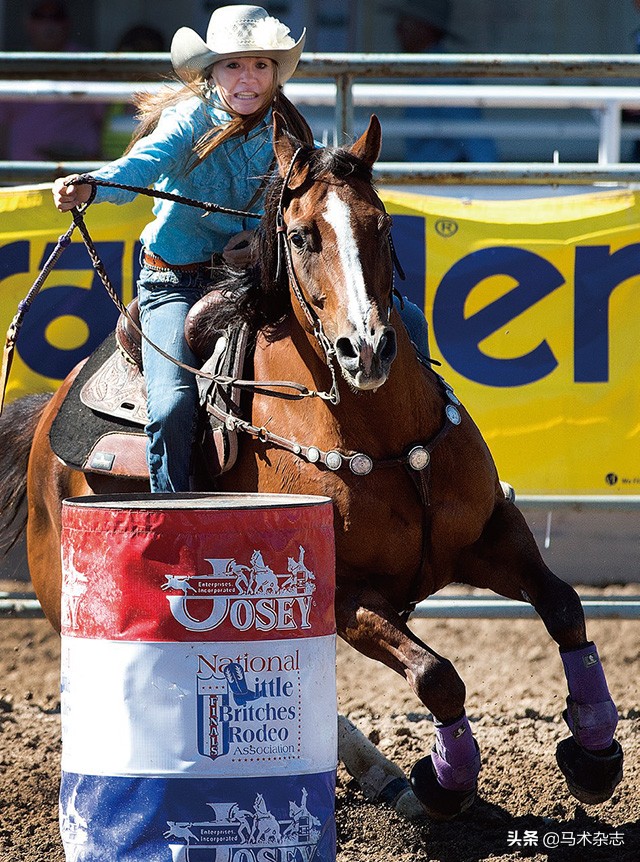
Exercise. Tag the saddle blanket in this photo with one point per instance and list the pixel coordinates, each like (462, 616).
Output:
(87, 440)
(99, 426)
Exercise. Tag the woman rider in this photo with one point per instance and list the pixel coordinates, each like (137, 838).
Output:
(212, 138)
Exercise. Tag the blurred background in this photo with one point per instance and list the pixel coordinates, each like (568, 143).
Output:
(356, 26)
(548, 26)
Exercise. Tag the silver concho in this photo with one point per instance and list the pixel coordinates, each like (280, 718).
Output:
(453, 414)
(333, 460)
(313, 454)
(418, 458)
(361, 464)
(452, 396)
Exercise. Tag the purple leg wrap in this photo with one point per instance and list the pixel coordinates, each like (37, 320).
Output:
(591, 714)
(455, 757)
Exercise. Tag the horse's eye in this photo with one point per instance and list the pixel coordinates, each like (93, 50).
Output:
(297, 239)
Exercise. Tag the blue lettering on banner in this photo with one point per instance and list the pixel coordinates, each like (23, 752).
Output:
(408, 238)
(14, 258)
(597, 274)
(459, 336)
(91, 305)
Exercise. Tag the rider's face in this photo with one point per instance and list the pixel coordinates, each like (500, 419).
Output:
(244, 82)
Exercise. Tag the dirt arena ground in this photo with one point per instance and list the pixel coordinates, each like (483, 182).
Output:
(515, 694)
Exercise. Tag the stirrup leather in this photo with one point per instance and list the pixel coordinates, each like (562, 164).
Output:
(226, 360)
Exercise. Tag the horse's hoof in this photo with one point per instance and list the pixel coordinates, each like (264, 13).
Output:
(437, 801)
(591, 777)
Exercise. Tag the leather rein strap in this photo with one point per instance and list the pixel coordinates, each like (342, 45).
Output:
(24, 306)
(268, 387)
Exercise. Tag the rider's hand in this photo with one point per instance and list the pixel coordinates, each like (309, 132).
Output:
(67, 197)
(237, 252)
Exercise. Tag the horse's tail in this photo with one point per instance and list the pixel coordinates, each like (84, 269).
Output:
(17, 427)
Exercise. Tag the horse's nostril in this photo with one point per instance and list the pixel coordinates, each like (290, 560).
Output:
(388, 346)
(346, 349)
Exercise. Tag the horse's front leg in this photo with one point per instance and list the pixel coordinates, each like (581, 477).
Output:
(445, 782)
(506, 559)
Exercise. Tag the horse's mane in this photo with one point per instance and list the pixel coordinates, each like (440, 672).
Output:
(260, 295)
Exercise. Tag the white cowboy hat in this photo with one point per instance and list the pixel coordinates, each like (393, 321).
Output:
(236, 31)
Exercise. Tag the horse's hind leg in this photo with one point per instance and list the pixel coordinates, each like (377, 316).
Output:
(446, 781)
(506, 560)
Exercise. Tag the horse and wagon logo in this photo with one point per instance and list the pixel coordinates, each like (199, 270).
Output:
(236, 833)
(248, 596)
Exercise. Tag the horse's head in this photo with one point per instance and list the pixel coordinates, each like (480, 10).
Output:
(339, 257)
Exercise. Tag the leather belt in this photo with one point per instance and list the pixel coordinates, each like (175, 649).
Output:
(155, 260)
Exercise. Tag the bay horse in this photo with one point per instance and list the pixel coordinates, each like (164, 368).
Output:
(417, 500)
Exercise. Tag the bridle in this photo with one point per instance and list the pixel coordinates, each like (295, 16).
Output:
(417, 459)
(284, 250)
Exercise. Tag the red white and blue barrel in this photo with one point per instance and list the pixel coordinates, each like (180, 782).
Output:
(199, 718)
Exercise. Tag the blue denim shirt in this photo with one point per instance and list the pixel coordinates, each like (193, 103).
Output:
(229, 176)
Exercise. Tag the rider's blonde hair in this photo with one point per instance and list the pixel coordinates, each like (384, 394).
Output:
(150, 106)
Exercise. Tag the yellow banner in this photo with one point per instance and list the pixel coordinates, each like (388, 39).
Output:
(532, 307)
(72, 313)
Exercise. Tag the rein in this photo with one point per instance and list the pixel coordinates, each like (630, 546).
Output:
(24, 306)
(284, 248)
(269, 387)
(87, 179)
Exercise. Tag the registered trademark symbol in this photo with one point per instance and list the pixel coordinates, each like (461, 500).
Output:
(446, 227)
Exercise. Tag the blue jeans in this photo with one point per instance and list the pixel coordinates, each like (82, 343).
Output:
(415, 323)
(165, 297)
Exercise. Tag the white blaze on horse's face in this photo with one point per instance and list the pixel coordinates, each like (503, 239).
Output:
(366, 352)
(338, 215)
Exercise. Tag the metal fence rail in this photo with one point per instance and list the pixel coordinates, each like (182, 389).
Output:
(124, 66)
(26, 606)
(23, 606)
(345, 69)
(481, 607)
(398, 173)
(603, 106)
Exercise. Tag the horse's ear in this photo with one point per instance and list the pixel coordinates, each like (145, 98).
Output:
(367, 147)
(284, 147)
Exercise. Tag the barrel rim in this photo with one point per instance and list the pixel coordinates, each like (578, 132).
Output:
(194, 501)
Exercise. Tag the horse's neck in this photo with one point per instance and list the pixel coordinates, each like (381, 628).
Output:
(409, 405)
